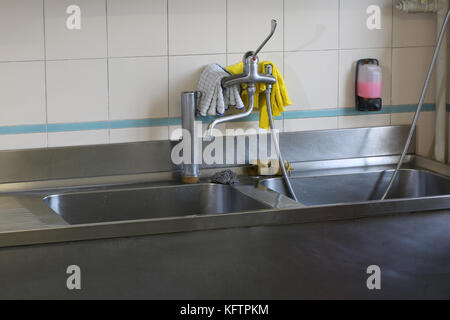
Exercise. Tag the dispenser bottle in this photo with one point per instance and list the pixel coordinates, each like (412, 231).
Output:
(369, 87)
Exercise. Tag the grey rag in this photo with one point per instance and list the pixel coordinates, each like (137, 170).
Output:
(225, 177)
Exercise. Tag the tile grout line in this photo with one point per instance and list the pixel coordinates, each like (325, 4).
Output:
(108, 72)
(45, 75)
(226, 32)
(168, 67)
(214, 53)
(339, 67)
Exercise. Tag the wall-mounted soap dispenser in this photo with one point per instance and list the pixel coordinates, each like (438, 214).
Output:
(368, 87)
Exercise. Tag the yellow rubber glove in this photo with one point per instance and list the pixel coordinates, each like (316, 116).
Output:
(279, 97)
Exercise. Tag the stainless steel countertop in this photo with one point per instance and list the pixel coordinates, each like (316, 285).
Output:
(324, 260)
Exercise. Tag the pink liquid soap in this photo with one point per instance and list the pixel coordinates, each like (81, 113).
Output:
(370, 90)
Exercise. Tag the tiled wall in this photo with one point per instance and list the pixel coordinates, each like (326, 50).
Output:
(119, 78)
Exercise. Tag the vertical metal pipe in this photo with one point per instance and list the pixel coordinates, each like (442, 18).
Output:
(287, 181)
(190, 172)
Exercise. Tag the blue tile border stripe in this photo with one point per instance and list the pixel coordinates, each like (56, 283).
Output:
(162, 122)
(81, 126)
(413, 108)
(33, 128)
(139, 123)
(303, 114)
(344, 112)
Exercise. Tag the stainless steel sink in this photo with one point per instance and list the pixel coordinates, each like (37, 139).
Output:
(133, 189)
(151, 202)
(362, 187)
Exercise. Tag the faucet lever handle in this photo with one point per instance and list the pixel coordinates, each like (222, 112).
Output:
(272, 31)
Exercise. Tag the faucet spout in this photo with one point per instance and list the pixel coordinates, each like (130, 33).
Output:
(251, 90)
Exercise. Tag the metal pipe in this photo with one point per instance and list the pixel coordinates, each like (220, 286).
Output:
(251, 90)
(287, 181)
(419, 107)
(417, 6)
(190, 172)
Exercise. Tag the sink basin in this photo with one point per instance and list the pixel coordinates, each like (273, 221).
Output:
(362, 187)
(148, 203)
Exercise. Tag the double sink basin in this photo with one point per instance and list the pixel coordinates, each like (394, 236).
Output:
(328, 191)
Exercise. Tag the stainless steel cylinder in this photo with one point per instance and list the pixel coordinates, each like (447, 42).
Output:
(189, 100)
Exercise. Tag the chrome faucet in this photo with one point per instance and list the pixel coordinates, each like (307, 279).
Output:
(250, 76)
(189, 100)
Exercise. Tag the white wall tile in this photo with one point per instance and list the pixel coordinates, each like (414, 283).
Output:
(325, 123)
(21, 30)
(138, 88)
(184, 74)
(425, 134)
(22, 93)
(137, 28)
(347, 73)
(312, 79)
(247, 27)
(77, 138)
(311, 25)
(88, 42)
(197, 27)
(354, 33)
(402, 118)
(250, 127)
(77, 91)
(409, 70)
(138, 134)
(424, 130)
(175, 133)
(23, 141)
(412, 30)
(238, 127)
(361, 121)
